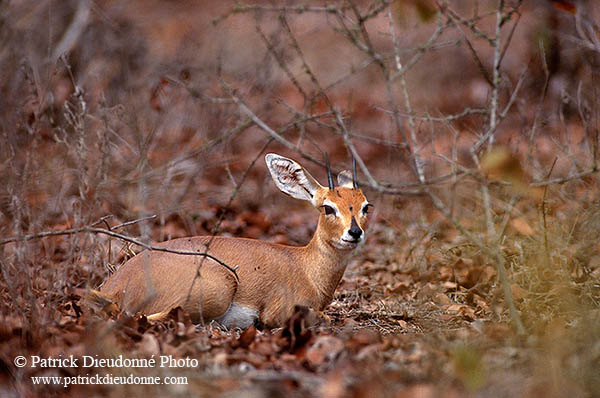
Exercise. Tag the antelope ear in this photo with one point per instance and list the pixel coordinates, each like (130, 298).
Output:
(345, 179)
(292, 179)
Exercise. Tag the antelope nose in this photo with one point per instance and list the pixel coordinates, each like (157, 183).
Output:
(355, 231)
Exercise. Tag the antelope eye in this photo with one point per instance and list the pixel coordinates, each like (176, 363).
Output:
(366, 208)
(328, 210)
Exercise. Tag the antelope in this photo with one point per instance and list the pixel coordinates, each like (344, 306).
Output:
(271, 278)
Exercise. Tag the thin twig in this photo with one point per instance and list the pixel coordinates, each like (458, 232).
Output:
(240, 8)
(74, 31)
(215, 230)
(469, 23)
(501, 116)
(562, 180)
(354, 152)
(93, 230)
(495, 75)
(411, 121)
(442, 119)
(421, 50)
(128, 223)
(543, 206)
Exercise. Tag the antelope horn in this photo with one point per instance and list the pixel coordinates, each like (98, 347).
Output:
(329, 177)
(354, 178)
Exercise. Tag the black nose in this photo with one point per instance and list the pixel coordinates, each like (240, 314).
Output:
(355, 233)
(355, 230)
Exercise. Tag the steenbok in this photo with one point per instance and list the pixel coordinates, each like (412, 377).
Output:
(271, 278)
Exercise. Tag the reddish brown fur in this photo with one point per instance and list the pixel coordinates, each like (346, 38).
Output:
(273, 278)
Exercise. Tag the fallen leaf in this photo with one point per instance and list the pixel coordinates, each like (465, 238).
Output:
(246, 337)
(325, 350)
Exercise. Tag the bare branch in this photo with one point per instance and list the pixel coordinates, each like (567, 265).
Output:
(562, 180)
(495, 76)
(94, 230)
(411, 121)
(469, 23)
(241, 8)
(74, 30)
(442, 119)
(128, 223)
(477, 146)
